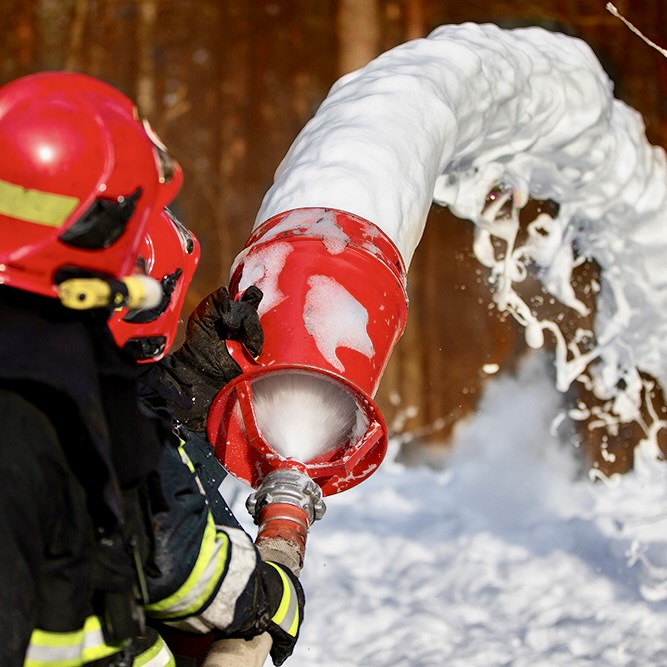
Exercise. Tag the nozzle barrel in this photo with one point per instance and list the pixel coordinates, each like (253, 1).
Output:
(334, 305)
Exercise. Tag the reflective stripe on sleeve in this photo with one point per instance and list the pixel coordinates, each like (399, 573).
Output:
(287, 614)
(42, 208)
(219, 613)
(226, 562)
(158, 655)
(242, 566)
(203, 580)
(68, 649)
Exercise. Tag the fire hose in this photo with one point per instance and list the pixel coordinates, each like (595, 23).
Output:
(284, 507)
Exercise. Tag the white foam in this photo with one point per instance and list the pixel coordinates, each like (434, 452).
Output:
(319, 223)
(334, 318)
(262, 268)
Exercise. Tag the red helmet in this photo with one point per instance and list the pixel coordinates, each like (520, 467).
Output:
(169, 254)
(79, 177)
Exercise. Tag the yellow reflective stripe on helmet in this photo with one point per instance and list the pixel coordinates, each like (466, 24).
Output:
(198, 588)
(68, 649)
(157, 655)
(287, 614)
(42, 208)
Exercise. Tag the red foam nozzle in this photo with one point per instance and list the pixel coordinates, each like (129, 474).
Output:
(334, 306)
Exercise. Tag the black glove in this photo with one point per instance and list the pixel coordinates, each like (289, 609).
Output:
(189, 379)
(287, 603)
(215, 319)
(275, 606)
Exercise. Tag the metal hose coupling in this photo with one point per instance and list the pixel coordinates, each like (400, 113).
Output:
(284, 507)
(288, 486)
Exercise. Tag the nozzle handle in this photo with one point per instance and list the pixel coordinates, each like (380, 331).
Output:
(282, 534)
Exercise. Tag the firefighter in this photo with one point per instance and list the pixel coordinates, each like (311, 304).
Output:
(242, 599)
(80, 177)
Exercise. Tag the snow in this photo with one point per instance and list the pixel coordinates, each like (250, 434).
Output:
(508, 555)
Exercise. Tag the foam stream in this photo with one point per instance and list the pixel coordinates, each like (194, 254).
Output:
(301, 415)
(449, 118)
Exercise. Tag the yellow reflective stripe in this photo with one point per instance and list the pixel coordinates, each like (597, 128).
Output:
(157, 655)
(199, 586)
(287, 614)
(184, 457)
(68, 649)
(43, 208)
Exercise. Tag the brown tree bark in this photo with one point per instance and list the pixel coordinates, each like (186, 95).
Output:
(358, 33)
(145, 81)
(74, 56)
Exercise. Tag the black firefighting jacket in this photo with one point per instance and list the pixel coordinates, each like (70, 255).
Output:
(74, 540)
(102, 516)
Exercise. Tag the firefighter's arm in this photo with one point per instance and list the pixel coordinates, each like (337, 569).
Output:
(188, 379)
(212, 578)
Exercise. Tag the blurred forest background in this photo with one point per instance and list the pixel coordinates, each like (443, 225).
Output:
(228, 84)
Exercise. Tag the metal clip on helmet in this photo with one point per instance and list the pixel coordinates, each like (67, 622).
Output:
(79, 177)
(170, 254)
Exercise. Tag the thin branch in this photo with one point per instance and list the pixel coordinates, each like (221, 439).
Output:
(612, 9)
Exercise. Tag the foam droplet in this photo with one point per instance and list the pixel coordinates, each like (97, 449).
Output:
(534, 335)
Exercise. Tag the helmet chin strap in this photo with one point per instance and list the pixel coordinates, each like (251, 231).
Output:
(136, 292)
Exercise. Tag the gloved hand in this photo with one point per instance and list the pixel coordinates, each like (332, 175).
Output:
(188, 379)
(278, 604)
(215, 319)
(287, 610)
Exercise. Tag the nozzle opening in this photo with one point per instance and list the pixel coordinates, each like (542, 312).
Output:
(300, 419)
(304, 416)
